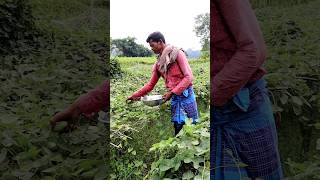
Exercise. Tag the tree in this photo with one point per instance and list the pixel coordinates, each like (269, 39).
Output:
(202, 25)
(129, 48)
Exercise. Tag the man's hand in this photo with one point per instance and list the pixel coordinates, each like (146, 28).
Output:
(132, 98)
(70, 115)
(167, 96)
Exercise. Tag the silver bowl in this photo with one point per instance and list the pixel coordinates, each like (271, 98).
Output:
(153, 100)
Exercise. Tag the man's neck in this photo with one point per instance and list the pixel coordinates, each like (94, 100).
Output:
(163, 47)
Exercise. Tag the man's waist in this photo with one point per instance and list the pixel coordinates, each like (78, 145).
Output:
(172, 84)
(256, 76)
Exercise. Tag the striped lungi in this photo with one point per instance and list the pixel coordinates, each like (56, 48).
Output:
(243, 139)
(183, 106)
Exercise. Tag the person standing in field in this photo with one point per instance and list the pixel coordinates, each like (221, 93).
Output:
(173, 66)
(243, 139)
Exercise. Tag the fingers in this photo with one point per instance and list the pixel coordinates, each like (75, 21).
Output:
(61, 116)
(53, 122)
(131, 99)
(164, 98)
(128, 101)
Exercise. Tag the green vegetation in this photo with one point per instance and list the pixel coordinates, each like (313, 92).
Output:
(292, 36)
(143, 142)
(127, 47)
(53, 51)
(291, 33)
(50, 56)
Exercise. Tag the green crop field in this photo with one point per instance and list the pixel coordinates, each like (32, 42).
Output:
(142, 137)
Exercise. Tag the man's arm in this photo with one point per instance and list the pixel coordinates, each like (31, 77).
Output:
(250, 54)
(150, 85)
(186, 71)
(95, 100)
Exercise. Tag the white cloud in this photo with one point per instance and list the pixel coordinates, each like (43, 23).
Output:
(174, 18)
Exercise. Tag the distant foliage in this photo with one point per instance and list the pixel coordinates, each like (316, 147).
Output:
(202, 25)
(127, 47)
(115, 69)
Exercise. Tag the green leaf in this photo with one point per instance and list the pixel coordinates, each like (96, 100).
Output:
(77, 172)
(25, 175)
(3, 154)
(138, 163)
(52, 146)
(297, 110)
(205, 133)
(196, 162)
(276, 108)
(296, 100)
(8, 119)
(317, 125)
(284, 99)
(33, 152)
(8, 141)
(187, 160)
(195, 142)
(102, 174)
(177, 163)
(93, 129)
(165, 164)
(47, 178)
(188, 175)
(88, 164)
(51, 169)
(197, 177)
(318, 144)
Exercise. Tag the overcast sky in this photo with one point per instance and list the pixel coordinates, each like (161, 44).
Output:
(174, 18)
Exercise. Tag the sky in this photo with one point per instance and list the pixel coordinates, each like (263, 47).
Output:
(175, 19)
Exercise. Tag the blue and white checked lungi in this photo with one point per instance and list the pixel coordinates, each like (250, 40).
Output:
(243, 139)
(184, 105)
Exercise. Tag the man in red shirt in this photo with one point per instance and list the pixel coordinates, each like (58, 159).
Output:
(173, 66)
(242, 124)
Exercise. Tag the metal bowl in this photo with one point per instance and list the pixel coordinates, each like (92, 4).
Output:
(153, 100)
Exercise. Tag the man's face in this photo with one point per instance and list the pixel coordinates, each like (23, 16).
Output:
(155, 46)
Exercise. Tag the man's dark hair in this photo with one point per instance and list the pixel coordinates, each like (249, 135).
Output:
(156, 36)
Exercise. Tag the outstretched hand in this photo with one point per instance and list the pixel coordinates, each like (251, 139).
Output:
(167, 96)
(70, 115)
(132, 98)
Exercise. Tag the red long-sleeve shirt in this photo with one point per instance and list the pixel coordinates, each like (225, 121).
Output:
(237, 48)
(178, 78)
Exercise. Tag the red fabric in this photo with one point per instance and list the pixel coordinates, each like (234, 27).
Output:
(237, 48)
(177, 79)
(95, 100)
